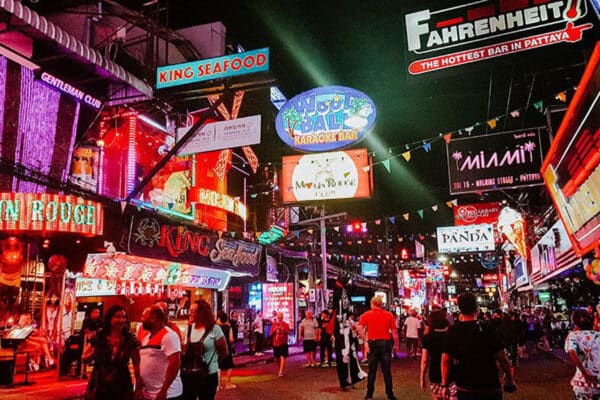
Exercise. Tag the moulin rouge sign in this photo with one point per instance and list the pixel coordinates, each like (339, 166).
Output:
(151, 236)
(494, 162)
(439, 39)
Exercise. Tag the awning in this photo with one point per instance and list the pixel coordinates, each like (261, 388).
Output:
(122, 267)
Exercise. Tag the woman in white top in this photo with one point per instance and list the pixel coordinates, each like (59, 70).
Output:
(206, 343)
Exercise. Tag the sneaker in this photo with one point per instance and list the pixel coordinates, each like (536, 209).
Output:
(306, 365)
(259, 354)
(313, 365)
(230, 386)
(280, 374)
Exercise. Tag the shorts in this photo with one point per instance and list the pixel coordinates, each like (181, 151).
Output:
(309, 345)
(437, 390)
(280, 351)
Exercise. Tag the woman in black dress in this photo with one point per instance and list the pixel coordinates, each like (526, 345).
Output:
(111, 348)
(226, 365)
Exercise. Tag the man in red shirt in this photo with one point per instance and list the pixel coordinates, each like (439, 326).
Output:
(380, 327)
(280, 331)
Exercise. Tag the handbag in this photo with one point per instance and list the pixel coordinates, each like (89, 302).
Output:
(193, 363)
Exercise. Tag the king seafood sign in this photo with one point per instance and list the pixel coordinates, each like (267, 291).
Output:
(325, 118)
(151, 236)
(481, 30)
(494, 162)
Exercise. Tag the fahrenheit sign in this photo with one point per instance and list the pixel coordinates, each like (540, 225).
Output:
(213, 68)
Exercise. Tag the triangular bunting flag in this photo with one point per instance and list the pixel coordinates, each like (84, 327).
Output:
(539, 105)
(427, 147)
(405, 216)
(377, 222)
(364, 226)
(420, 212)
(434, 208)
(515, 114)
(448, 137)
(310, 231)
(450, 203)
(479, 192)
(406, 155)
(232, 234)
(297, 234)
(492, 123)
(220, 234)
(469, 130)
(123, 206)
(393, 220)
(562, 96)
(367, 168)
(336, 228)
(455, 202)
(386, 164)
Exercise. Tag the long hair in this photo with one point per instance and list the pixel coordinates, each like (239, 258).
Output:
(109, 316)
(204, 315)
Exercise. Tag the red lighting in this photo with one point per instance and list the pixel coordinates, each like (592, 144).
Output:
(404, 254)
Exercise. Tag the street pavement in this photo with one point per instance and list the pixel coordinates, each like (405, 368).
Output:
(542, 376)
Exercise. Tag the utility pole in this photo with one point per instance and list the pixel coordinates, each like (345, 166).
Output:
(322, 219)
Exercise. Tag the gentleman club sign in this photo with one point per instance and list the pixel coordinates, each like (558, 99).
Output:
(481, 30)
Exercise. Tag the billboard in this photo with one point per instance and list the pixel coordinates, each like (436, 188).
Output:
(550, 250)
(224, 135)
(571, 169)
(327, 176)
(481, 30)
(494, 162)
(478, 213)
(279, 297)
(369, 270)
(213, 68)
(464, 239)
(325, 118)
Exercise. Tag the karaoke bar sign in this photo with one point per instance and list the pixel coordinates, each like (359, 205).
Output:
(494, 162)
(155, 237)
(476, 31)
(50, 213)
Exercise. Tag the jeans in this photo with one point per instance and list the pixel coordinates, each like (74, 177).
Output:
(493, 395)
(258, 344)
(380, 351)
(326, 346)
(195, 388)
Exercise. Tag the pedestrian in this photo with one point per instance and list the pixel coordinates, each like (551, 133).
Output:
(226, 365)
(160, 357)
(170, 324)
(111, 349)
(411, 327)
(380, 325)
(431, 358)
(583, 347)
(473, 351)
(325, 341)
(233, 321)
(205, 346)
(308, 333)
(258, 328)
(510, 334)
(280, 331)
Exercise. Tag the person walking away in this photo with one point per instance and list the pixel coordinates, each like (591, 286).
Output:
(308, 334)
(510, 334)
(583, 347)
(325, 340)
(473, 350)
(431, 357)
(111, 349)
(411, 332)
(160, 357)
(234, 331)
(205, 347)
(280, 331)
(91, 324)
(383, 339)
(258, 327)
(227, 364)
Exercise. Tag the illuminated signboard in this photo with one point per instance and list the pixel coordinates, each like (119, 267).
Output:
(571, 169)
(279, 297)
(325, 176)
(471, 32)
(121, 267)
(512, 224)
(50, 213)
(218, 200)
(325, 118)
(468, 238)
(495, 162)
(92, 287)
(70, 90)
(370, 270)
(552, 250)
(478, 213)
(213, 68)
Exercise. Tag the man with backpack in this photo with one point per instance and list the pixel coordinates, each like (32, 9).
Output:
(471, 354)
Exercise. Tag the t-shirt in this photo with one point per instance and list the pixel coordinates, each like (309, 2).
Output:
(412, 327)
(434, 342)
(280, 331)
(379, 323)
(309, 328)
(210, 350)
(257, 325)
(473, 346)
(154, 359)
(587, 346)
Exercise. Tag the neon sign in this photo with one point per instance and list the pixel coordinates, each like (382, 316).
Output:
(70, 90)
(219, 200)
(50, 212)
(325, 118)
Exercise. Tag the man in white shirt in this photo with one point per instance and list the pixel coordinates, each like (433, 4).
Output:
(411, 333)
(259, 333)
(160, 357)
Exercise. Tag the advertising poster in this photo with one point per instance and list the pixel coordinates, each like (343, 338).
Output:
(84, 167)
(279, 297)
(552, 250)
(478, 213)
(272, 273)
(464, 239)
(255, 296)
(327, 176)
(494, 162)
(452, 35)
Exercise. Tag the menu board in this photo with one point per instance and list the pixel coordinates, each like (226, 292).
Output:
(279, 297)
